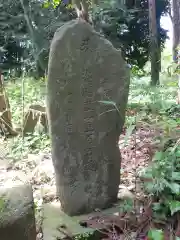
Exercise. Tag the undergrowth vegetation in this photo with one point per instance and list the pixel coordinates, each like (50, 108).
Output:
(145, 103)
(153, 107)
(22, 94)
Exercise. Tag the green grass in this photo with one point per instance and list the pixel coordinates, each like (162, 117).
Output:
(144, 100)
(146, 104)
(140, 93)
(22, 94)
(149, 102)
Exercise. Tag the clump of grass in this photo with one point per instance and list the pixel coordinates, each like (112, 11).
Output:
(22, 94)
(142, 100)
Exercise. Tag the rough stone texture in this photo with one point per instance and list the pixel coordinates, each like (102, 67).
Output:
(17, 220)
(84, 68)
(54, 218)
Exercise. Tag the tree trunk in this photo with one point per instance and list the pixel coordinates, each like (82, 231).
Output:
(176, 38)
(5, 118)
(154, 46)
(176, 28)
(33, 34)
(158, 21)
(178, 92)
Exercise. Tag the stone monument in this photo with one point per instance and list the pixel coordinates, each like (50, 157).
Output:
(87, 92)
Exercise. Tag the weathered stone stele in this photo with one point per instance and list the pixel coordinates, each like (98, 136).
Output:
(84, 69)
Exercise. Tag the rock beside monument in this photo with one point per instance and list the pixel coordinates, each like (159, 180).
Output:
(88, 84)
(17, 219)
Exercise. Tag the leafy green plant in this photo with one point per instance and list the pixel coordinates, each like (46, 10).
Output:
(84, 236)
(174, 206)
(2, 204)
(33, 143)
(164, 182)
(127, 205)
(155, 234)
(164, 172)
